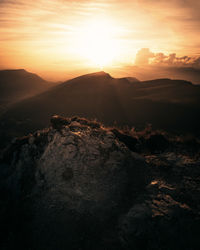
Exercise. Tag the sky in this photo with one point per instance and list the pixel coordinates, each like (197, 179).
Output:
(62, 35)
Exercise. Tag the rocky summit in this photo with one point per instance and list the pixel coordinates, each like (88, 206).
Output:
(76, 185)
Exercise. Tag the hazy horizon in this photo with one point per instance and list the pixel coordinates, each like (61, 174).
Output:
(59, 39)
(142, 73)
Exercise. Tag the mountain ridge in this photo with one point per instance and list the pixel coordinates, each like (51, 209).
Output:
(166, 104)
(19, 84)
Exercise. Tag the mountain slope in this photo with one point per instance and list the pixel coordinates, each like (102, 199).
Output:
(167, 104)
(19, 84)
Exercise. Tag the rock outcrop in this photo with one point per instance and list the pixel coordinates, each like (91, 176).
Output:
(79, 185)
(70, 181)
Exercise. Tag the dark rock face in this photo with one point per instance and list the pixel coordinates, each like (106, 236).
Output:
(129, 141)
(66, 179)
(77, 185)
(166, 214)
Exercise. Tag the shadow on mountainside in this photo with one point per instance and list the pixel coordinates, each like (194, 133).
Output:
(172, 105)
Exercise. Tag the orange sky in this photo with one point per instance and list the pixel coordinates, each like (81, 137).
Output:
(62, 35)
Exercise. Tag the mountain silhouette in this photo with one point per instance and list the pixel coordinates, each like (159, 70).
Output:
(172, 105)
(18, 84)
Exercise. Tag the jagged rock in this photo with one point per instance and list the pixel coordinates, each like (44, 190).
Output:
(59, 121)
(158, 224)
(78, 185)
(128, 140)
(68, 182)
(166, 215)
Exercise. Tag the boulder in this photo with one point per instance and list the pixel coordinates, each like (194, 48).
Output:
(67, 184)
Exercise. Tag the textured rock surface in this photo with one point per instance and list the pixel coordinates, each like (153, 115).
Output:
(166, 215)
(77, 185)
(69, 181)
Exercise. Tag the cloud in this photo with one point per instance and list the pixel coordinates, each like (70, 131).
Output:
(146, 57)
(143, 56)
(30, 27)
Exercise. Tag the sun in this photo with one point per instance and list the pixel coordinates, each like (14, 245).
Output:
(97, 42)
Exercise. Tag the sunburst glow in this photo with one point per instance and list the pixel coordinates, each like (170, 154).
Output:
(97, 42)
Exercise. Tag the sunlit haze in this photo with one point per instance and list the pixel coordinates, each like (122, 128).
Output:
(96, 42)
(51, 37)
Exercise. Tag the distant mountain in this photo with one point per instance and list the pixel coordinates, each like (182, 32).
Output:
(18, 84)
(154, 72)
(130, 79)
(189, 73)
(173, 105)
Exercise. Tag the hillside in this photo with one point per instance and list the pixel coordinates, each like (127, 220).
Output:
(19, 84)
(173, 105)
